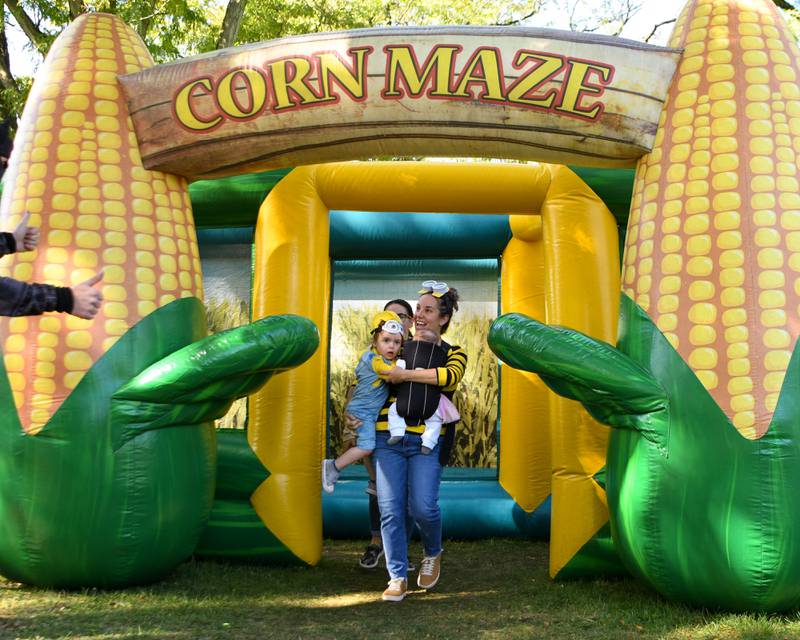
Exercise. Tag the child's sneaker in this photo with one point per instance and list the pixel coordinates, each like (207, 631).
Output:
(372, 489)
(396, 590)
(393, 440)
(372, 556)
(330, 474)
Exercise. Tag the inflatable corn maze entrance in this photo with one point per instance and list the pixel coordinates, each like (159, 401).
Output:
(647, 409)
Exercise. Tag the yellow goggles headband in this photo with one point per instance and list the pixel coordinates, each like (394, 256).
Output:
(435, 288)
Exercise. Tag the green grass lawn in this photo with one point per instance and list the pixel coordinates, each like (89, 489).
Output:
(490, 589)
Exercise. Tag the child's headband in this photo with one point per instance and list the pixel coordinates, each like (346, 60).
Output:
(435, 288)
(387, 321)
(393, 327)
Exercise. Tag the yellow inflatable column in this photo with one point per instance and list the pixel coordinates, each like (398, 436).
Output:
(294, 277)
(525, 467)
(582, 292)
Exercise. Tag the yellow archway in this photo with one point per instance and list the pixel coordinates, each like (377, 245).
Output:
(561, 265)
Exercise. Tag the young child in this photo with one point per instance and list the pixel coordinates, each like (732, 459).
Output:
(370, 393)
(421, 401)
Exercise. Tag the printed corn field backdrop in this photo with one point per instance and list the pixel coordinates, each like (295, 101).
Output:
(476, 398)
(222, 315)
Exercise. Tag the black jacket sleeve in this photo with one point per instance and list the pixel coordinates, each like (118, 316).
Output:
(21, 299)
(7, 244)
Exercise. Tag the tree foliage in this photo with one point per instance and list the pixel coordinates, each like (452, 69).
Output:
(178, 28)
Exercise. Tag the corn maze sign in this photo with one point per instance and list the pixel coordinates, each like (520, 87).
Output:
(448, 91)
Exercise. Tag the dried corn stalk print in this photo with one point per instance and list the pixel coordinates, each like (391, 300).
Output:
(476, 397)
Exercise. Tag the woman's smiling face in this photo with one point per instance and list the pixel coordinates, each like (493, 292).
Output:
(428, 315)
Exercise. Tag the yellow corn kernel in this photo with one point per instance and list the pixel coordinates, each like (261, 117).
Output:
(114, 255)
(23, 271)
(708, 379)
(77, 361)
(115, 327)
(703, 313)
(777, 360)
(770, 258)
(115, 310)
(84, 259)
(773, 381)
(744, 402)
(732, 297)
(54, 273)
(700, 267)
(671, 264)
(767, 237)
(728, 201)
(738, 350)
(725, 162)
(696, 224)
(727, 220)
(771, 279)
(145, 307)
(733, 277)
(79, 339)
(14, 343)
(145, 259)
(731, 317)
(113, 274)
(43, 369)
(773, 318)
(744, 421)
(700, 335)
(701, 290)
(667, 322)
(738, 367)
(72, 379)
(739, 385)
(703, 358)
(44, 385)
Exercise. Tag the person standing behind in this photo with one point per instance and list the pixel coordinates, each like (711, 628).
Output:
(21, 299)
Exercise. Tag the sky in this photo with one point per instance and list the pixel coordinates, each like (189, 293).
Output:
(25, 61)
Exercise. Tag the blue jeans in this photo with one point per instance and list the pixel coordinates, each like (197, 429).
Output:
(407, 482)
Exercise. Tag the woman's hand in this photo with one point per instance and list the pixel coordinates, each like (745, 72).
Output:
(397, 375)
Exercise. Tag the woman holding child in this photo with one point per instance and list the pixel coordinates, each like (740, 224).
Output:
(407, 477)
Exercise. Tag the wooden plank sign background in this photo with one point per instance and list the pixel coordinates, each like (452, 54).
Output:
(530, 94)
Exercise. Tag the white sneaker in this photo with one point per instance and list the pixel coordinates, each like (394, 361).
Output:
(396, 590)
(330, 474)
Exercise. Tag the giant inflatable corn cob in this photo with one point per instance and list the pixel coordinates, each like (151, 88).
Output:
(703, 386)
(106, 439)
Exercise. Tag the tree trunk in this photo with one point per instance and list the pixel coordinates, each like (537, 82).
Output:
(35, 35)
(76, 8)
(231, 23)
(6, 82)
(6, 78)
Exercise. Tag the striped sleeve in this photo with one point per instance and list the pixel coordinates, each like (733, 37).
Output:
(451, 374)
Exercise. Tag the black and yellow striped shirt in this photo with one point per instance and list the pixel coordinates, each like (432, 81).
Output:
(449, 377)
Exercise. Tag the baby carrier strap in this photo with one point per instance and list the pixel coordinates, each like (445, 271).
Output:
(417, 401)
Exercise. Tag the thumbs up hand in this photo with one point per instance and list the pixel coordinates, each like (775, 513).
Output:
(87, 299)
(26, 237)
